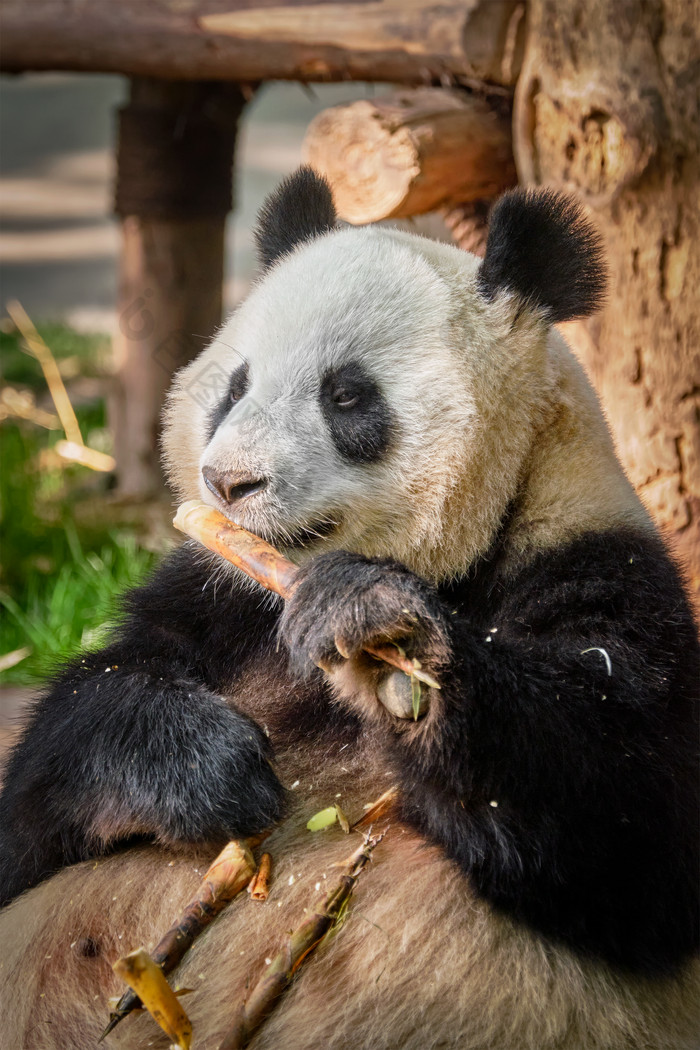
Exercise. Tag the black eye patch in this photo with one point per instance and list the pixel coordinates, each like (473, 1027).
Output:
(356, 413)
(236, 389)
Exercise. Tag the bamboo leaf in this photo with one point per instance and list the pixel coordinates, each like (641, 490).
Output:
(323, 819)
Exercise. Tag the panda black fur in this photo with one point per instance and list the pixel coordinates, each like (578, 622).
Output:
(402, 421)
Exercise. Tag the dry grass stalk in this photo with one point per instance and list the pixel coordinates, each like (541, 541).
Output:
(73, 448)
(228, 875)
(38, 349)
(277, 977)
(87, 457)
(11, 659)
(148, 982)
(20, 404)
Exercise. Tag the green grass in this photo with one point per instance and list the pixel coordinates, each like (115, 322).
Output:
(61, 570)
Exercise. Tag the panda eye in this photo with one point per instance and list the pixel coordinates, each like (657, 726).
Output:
(239, 384)
(343, 398)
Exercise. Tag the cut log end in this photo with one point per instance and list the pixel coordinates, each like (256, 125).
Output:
(411, 152)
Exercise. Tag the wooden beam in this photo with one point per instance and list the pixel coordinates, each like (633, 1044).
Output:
(411, 152)
(408, 41)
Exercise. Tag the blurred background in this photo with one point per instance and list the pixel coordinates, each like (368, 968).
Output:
(70, 543)
(60, 239)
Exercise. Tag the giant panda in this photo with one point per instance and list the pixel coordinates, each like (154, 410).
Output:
(402, 420)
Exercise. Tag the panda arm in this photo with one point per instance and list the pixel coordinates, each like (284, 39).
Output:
(136, 740)
(563, 790)
(560, 769)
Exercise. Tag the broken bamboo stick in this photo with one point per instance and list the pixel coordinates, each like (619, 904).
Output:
(278, 975)
(147, 981)
(230, 872)
(259, 885)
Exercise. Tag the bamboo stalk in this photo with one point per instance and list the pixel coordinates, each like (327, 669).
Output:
(230, 872)
(259, 885)
(268, 567)
(278, 975)
(248, 552)
(146, 979)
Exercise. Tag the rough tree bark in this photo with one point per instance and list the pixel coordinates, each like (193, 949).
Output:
(608, 104)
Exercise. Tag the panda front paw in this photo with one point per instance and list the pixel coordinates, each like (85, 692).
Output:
(171, 761)
(132, 753)
(233, 791)
(345, 604)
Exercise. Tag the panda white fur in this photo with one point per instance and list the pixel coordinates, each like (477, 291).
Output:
(403, 421)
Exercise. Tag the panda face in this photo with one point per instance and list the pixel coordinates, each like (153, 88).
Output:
(354, 394)
(377, 392)
(333, 414)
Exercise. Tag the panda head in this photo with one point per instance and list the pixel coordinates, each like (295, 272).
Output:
(377, 391)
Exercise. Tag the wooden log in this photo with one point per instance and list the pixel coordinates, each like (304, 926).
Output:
(411, 152)
(407, 41)
(174, 178)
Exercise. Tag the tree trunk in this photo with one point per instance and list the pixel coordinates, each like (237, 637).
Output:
(608, 105)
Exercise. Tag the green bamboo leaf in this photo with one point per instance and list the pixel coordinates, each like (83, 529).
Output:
(323, 819)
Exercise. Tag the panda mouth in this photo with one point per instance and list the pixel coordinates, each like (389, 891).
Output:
(291, 539)
(308, 535)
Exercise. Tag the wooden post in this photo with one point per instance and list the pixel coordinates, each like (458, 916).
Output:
(173, 192)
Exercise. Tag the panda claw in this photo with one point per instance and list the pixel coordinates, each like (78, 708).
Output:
(342, 648)
(325, 665)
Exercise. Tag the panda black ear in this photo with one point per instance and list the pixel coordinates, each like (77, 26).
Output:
(300, 209)
(542, 247)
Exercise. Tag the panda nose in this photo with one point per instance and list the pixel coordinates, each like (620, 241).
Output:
(230, 485)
